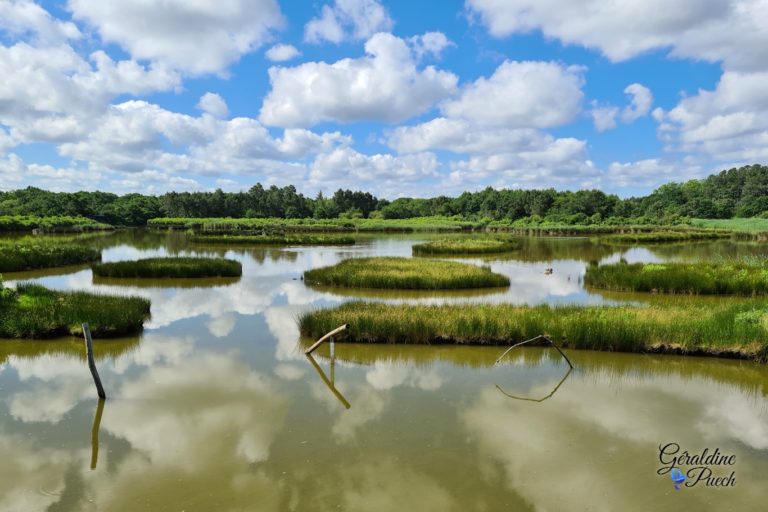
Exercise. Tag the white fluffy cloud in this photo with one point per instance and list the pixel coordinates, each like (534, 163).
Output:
(521, 94)
(282, 52)
(430, 43)
(22, 17)
(727, 123)
(640, 102)
(196, 37)
(50, 93)
(384, 85)
(212, 103)
(713, 30)
(384, 172)
(358, 19)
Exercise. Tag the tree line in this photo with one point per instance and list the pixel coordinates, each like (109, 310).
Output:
(737, 192)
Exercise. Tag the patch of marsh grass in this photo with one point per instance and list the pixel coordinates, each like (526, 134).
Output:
(405, 274)
(706, 278)
(729, 327)
(33, 254)
(296, 239)
(466, 246)
(170, 267)
(32, 311)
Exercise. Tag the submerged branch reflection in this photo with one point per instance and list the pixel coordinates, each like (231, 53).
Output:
(95, 433)
(570, 369)
(329, 382)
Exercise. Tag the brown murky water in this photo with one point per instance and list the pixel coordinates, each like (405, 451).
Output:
(215, 407)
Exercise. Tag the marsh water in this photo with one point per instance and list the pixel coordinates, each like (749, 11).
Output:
(215, 406)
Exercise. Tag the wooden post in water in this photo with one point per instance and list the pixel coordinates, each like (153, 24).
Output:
(92, 361)
(321, 340)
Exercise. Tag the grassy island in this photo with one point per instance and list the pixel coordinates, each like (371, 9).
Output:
(34, 254)
(706, 278)
(405, 274)
(466, 246)
(31, 311)
(727, 328)
(50, 224)
(170, 267)
(295, 239)
(666, 236)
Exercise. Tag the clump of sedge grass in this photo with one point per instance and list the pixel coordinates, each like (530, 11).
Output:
(34, 254)
(32, 311)
(707, 278)
(170, 267)
(308, 239)
(734, 327)
(666, 236)
(466, 246)
(405, 274)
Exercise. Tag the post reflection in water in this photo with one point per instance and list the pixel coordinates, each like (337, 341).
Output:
(95, 433)
(329, 382)
(554, 390)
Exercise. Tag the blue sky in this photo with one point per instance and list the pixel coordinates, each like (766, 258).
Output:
(399, 98)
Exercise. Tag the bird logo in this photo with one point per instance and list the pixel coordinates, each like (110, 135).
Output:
(677, 477)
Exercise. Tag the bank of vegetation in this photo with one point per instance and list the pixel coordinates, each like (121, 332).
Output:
(468, 246)
(291, 239)
(32, 253)
(734, 193)
(32, 311)
(726, 328)
(405, 274)
(49, 224)
(704, 278)
(181, 267)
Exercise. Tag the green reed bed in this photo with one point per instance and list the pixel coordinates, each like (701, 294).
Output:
(34, 254)
(31, 311)
(169, 267)
(296, 239)
(733, 328)
(666, 236)
(466, 246)
(282, 226)
(405, 274)
(53, 223)
(707, 278)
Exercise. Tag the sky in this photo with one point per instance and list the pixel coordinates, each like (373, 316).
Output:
(398, 98)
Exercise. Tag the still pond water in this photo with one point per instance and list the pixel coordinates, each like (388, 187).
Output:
(215, 406)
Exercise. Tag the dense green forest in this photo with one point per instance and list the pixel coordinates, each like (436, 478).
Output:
(741, 192)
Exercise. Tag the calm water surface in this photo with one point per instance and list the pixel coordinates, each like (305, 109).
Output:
(215, 406)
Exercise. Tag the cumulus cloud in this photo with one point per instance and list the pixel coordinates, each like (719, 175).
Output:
(379, 171)
(282, 52)
(213, 104)
(640, 102)
(430, 43)
(385, 85)
(521, 94)
(25, 17)
(713, 30)
(195, 37)
(727, 123)
(356, 19)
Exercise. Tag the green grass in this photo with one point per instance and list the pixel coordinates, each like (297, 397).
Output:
(33, 254)
(405, 274)
(271, 226)
(707, 278)
(32, 311)
(733, 328)
(750, 225)
(295, 239)
(466, 246)
(54, 223)
(666, 236)
(170, 267)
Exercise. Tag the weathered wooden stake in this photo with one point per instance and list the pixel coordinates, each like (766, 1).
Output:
(321, 340)
(92, 361)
